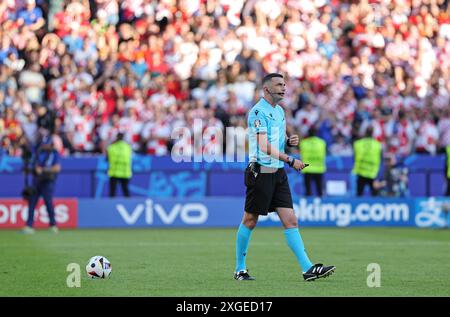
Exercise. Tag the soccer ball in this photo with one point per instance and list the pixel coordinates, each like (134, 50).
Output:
(98, 267)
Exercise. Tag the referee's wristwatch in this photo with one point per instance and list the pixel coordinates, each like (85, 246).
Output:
(290, 161)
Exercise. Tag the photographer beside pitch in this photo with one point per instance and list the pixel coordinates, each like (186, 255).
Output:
(45, 168)
(266, 181)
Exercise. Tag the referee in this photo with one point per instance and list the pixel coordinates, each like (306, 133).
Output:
(266, 181)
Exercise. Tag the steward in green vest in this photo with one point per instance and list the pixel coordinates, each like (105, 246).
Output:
(313, 151)
(119, 160)
(367, 161)
(447, 149)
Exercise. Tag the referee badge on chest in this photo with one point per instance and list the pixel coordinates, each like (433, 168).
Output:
(257, 123)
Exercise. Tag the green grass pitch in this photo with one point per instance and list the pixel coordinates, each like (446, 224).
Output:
(200, 262)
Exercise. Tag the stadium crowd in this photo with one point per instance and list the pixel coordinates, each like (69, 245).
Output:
(85, 70)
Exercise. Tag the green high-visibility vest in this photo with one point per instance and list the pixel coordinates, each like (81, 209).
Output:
(314, 152)
(367, 157)
(448, 160)
(119, 159)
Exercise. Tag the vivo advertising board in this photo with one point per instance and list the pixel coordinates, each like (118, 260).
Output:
(163, 212)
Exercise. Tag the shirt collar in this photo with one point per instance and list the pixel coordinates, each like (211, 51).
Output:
(267, 104)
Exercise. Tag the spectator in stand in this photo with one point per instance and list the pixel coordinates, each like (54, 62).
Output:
(31, 16)
(350, 65)
(340, 147)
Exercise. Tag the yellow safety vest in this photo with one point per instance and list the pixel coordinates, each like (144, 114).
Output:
(367, 157)
(119, 159)
(448, 160)
(314, 152)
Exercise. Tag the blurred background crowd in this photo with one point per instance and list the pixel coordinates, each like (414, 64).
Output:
(83, 70)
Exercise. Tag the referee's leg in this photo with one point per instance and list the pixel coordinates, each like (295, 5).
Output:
(250, 220)
(293, 237)
(243, 235)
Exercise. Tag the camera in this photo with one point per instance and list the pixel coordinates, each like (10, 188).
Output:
(28, 192)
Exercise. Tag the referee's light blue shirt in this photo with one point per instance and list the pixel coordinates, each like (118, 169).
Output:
(263, 118)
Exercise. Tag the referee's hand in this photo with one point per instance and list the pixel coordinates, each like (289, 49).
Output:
(298, 165)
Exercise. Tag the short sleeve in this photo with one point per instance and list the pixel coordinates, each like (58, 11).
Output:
(257, 121)
(38, 13)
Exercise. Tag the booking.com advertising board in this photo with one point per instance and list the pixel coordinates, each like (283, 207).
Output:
(227, 212)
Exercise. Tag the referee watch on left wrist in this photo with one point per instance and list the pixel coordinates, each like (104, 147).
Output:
(290, 161)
